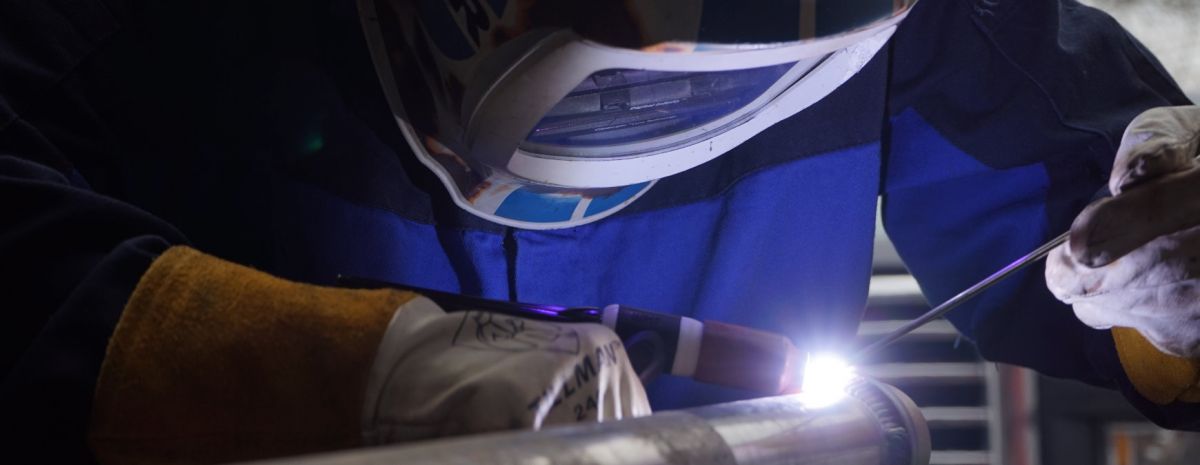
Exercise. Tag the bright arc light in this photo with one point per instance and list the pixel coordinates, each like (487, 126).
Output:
(826, 377)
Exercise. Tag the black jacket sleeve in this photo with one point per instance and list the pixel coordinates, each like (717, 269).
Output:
(69, 256)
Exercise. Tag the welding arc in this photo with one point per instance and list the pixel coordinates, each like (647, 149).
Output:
(954, 302)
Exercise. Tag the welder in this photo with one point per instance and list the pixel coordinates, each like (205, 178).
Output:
(182, 182)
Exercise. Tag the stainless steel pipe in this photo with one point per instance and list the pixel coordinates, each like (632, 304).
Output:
(875, 425)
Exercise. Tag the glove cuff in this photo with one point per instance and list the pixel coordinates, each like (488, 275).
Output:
(213, 362)
(1160, 378)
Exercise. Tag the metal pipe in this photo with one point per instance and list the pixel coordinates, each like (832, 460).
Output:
(875, 425)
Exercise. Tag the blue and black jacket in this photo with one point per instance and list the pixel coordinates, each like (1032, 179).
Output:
(257, 132)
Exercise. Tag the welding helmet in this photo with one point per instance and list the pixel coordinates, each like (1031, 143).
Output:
(555, 113)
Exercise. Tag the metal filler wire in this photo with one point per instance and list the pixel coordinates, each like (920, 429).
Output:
(962, 297)
(936, 312)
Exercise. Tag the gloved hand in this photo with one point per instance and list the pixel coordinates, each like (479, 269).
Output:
(214, 362)
(441, 374)
(1133, 260)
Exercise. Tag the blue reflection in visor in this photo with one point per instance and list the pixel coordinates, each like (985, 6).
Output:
(620, 106)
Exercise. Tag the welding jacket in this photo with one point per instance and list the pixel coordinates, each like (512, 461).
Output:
(257, 132)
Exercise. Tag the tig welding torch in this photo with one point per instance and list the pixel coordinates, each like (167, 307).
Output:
(710, 352)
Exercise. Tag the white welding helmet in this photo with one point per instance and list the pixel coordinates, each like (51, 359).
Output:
(555, 113)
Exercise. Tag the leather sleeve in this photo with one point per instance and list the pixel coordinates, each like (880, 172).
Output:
(214, 362)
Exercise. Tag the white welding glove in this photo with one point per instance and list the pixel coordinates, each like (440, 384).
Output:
(1133, 260)
(442, 374)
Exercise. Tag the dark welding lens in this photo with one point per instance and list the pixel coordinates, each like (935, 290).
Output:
(623, 106)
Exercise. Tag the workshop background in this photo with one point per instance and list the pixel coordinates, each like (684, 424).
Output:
(982, 413)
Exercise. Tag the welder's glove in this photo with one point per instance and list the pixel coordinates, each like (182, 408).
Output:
(214, 362)
(443, 374)
(1133, 260)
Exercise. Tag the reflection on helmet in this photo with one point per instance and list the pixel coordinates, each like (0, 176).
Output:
(623, 106)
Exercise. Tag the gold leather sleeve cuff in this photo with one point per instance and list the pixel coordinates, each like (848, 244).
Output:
(1160, 378)
(213, 362)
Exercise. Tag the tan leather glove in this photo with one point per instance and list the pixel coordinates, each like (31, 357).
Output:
(214, 362)
(1133, 260)
(443, 374)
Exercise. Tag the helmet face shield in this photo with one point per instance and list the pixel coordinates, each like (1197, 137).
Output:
(545, 125)
(647, 108)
